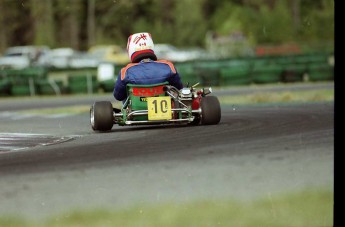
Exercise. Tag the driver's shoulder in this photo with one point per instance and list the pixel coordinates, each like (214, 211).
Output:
(169, 63)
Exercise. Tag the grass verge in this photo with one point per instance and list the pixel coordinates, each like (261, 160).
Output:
(279, 97)
(305, 208)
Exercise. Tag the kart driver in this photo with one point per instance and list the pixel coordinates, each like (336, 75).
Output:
(144, 67)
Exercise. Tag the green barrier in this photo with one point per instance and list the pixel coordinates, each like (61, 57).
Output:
(23, 81)
(208, 72)
(8, 72)
(234, 71)
(237, 72)
(118, 69)
(21, 90)
(318, 58)
(52, 87)
(5, 87)
(231, 76)
(311, 58)
(209, 76)
(107, 85)
(86, 83)
(284, 60)
(33, 72)
(293, 73)
(266, 74)
(302, 59)
(190, 79)
(320, 72)
(23, 86)
(262, 60)
(187, 73)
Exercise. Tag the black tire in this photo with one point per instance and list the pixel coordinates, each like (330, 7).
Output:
(210, 110)
(101, 116)
(196, 120)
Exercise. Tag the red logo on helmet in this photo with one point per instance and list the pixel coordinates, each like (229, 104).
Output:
(138, 38)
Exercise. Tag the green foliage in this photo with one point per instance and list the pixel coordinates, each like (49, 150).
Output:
(43, 22)
(228, 18)
(262, 24)
(279, 97)
(318, 24)
(306, 208)
(60, 23)
(188, 14)
(275, 25)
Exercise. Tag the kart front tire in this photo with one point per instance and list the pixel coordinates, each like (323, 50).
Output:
(210, 110)
(101, 116)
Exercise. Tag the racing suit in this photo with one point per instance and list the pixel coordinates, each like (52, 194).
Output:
(146, 71)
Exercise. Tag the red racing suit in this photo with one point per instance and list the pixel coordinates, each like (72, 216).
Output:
(146, 72)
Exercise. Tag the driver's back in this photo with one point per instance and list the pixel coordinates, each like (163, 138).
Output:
(144, 73)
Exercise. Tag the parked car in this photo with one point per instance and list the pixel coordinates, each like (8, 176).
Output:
(57, 58)
(67, 57)
(83, 59)
(22, 56)
(174, 54)
(110, 53)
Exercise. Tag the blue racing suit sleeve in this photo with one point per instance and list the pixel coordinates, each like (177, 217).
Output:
(120, 92)
(175, 80)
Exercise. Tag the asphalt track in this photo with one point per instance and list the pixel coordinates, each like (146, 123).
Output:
(255, 151)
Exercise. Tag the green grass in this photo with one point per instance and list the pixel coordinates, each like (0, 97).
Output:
(279, 97)
(305, 208)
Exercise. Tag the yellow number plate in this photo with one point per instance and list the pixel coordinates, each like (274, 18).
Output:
(159, 108)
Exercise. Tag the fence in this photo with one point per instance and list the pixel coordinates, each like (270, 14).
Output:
(226, 72)
(259, 70)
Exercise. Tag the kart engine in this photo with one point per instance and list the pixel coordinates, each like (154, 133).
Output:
(186, 96)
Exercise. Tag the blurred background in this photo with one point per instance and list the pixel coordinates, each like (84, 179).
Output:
(215, 42)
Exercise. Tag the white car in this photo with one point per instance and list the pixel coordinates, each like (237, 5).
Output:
(19, 57)
(171, 53)
(66, 57)
(58, 58)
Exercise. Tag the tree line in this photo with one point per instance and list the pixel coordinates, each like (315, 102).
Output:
(82, 23)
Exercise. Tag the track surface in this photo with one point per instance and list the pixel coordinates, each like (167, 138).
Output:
(255, 151)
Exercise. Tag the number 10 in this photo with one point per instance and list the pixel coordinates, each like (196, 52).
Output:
(163, 106)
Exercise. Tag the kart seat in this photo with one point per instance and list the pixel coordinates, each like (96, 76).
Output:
(138, 94)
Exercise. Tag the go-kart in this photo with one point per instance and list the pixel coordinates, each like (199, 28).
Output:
(158, 104)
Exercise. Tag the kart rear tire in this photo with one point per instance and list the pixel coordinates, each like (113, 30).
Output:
(210, 110)
(101, 116)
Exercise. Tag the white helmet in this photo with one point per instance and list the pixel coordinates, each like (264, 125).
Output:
(140, 46)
